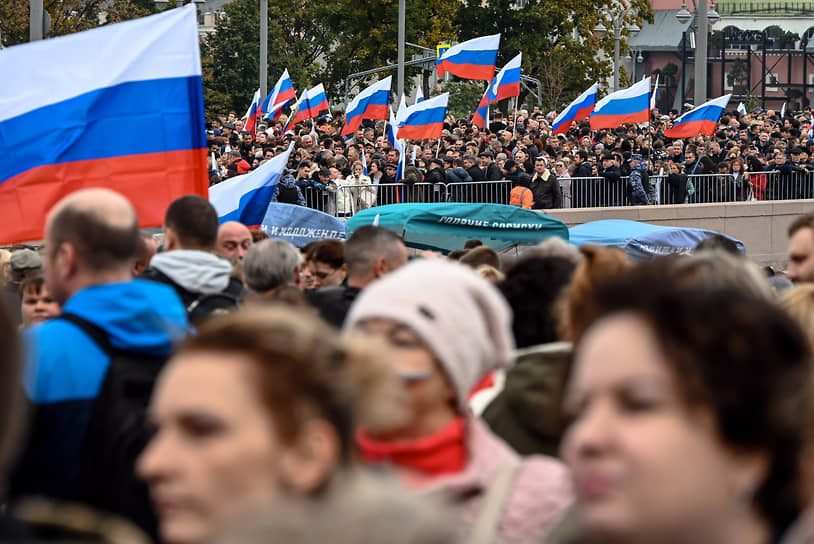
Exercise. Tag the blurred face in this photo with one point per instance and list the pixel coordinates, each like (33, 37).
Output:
(801, 256)
(631, 440)
(234, 240)
(324, 275)
(215, 453)
(38, 306)
(429, 391)
(358, 170)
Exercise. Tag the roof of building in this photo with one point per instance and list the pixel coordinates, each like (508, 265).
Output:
(664, 34)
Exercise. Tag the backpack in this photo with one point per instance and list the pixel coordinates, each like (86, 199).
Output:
(117, 432)
(287, 195)
(199, 306)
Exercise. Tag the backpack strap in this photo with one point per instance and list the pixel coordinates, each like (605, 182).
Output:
(96, 333)
(494, 503)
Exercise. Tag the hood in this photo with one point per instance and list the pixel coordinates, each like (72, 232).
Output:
(139, 315)
(196, 271)
(288, 182)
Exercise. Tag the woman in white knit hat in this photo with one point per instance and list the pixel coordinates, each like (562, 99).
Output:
(448, 328)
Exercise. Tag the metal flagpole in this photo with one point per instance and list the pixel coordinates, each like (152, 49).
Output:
(514, 123)
(438, 150)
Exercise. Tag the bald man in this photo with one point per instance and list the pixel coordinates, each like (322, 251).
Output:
(234, 240)
(91, 242)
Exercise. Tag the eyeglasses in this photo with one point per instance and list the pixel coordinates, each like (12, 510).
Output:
(559, 165)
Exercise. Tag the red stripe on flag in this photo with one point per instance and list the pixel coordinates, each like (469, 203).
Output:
(692, 129)
(420, 132)
(615, 121)
(150, 181)
(467, 71)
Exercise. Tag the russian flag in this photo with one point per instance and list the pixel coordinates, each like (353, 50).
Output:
(419, 95)
(282, 93)
(701, 120)
(631, 105)
(507, 81)
(77, 110)
(577, 110)
(312, 102)
(483, 110)
(245, 198)
(253, 113)
(472, 59)
(424, 120)
(401, 114)
(371, 103)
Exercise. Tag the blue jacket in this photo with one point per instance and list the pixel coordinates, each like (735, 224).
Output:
(65, 370)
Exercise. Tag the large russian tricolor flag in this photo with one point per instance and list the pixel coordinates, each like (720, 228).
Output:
(631, 105)
(579, 109)
(245, 198)
(701, 120)
(507, 82)
(282, 93)
(472, 59)
(311, 103)
(119, 106)
(483, 110)
(425, 119)
(371, 103)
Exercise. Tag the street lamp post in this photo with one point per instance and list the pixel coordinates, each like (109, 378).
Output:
(617, 15)
(703, 19)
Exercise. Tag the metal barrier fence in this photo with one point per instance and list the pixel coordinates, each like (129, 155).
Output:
(346, 200)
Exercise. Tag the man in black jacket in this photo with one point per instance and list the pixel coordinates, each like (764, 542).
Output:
(545, 187)
(610, 188)
(471, 165)
(490, 170)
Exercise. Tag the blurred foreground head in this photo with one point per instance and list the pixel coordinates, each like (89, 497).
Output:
(257, 409)
(685, 399)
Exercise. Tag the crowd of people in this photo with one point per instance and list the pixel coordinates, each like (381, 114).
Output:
(756, 156)
(211, 384)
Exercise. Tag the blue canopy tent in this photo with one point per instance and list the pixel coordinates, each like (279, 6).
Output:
(641, 241)
(447, 226)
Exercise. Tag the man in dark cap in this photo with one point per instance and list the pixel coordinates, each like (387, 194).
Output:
(24, 262)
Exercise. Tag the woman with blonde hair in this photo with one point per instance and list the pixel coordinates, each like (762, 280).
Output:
(257, 410)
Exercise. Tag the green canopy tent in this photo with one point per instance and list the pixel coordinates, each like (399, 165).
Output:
(446, 226)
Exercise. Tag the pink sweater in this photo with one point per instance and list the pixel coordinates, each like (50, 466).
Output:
(541, 494)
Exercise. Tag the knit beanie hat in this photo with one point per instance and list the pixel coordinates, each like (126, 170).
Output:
(459, 316)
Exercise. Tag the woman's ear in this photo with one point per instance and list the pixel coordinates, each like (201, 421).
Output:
(308, 463)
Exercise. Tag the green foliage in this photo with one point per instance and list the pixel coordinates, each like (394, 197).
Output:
(365, 35)
(296, 41)
(556, 39)
(738, 77)
(669, 69)
(464, 96)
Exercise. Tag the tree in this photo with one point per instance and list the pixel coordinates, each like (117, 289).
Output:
(556, 39)
(296, 41)
(67, 16)
(464, 96)
(364, 34)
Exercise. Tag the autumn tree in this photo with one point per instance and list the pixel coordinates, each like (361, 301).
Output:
(556, 39)
(67, 16)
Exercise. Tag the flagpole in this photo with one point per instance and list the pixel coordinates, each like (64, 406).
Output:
(514, 123)
(438, 150)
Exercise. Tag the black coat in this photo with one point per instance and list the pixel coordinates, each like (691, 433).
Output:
(547, 193)
(493, 172)
(476, 173)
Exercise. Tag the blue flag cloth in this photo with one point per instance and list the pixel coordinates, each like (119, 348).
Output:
(300, 225)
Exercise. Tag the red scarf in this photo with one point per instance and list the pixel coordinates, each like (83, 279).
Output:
(441, 453)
